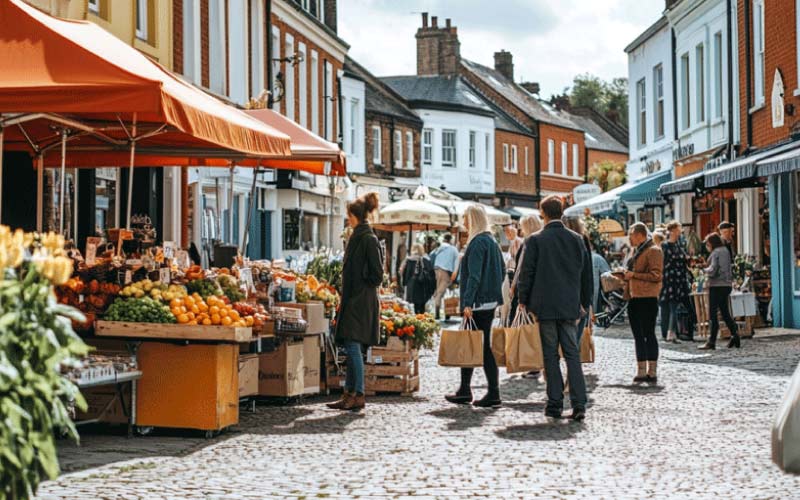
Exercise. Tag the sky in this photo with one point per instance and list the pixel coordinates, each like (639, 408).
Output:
(551, 41)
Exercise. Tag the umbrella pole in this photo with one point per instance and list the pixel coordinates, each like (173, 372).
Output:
(130, 174)
(39, 192)
(63, 181)
(230, 206)
(249, 213)
(2, 133)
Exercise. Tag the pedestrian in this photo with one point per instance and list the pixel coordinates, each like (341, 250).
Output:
(510, 258)
(555, 284)
(445, 261)
(643, 277)
(726, 230)
(482, 272)
(675, 286)
(720, 279)
(418, 278)
(577, 225)
(358, 322)
(658, 237)
(599, 266)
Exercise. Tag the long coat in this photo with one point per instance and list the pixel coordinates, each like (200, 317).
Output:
(362, 275)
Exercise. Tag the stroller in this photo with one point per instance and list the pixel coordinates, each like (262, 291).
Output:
(612, 304)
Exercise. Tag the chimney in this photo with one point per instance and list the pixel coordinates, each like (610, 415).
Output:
(447, 23)
(532, 87)
(330, 14)
(504, 63)
(438, 49)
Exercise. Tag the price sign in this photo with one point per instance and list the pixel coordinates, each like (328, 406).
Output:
(246, 277)
(169, 250)
(92, 242)
(128, 277)
(183, 259)
(164, 275)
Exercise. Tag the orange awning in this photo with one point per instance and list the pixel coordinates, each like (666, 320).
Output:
(78, 70)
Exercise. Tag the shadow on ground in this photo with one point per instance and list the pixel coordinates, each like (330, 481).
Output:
(557, 430)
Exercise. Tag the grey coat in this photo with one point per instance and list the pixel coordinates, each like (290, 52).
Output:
(720, 268)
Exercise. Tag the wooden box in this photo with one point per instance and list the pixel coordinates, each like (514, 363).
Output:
(248, 375)
(282, 371)
(312, 362)
(392, 371)
(173, 331)
(104, 405)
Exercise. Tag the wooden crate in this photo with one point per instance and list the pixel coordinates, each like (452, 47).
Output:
(701, 307)
(173, 331)
(392, 371)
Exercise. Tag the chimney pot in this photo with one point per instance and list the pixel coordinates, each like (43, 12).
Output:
(532, 87)
(504, 64)
(434, 22)
(447, 22)
(424, 19)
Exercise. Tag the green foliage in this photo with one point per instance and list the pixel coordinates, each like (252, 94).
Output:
(326, 268)
(599, 240)
(607, 98)
(608, 174)
(36, 340)
(205, 287)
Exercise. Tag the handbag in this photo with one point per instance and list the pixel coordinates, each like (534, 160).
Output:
(499, 342)
(523, 345)
(463, 347)
(587, 344)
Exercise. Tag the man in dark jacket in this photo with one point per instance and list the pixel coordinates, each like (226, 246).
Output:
(555, 284)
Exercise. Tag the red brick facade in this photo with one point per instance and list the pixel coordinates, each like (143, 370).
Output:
(387, 166)
(556, 182)
(780, 44)
(597, 156)
(521, 182)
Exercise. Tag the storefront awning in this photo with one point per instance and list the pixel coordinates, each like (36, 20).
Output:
(604, 202)
(646, 189)
(788, 161)
(688, 184)
(742, 172)
(520, 212)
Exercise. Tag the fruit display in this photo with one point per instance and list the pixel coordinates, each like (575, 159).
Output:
(230, 287)
(326, 269)
(154, 289)
(204, 287)
(195, 310)
(397, 320)
(139, 310)
(309, 287)
(195, 273)
(91, 298)
(257, 312)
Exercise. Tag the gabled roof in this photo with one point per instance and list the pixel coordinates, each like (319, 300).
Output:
(380, 98)
(647, 34)
(445, 92)
(518, 96)
(502, 120)
(596, 137)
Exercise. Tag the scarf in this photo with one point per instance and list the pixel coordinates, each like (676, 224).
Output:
(639, 251)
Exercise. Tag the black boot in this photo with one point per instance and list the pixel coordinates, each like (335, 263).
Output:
(461, 397)
(736, 341)
(490, 400)
(437, 314)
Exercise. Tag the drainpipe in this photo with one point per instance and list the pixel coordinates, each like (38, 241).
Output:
(674, 86)
(729, 15)
(748, 72)
(537, 161)
(586, 162)
(268, 16)
(391, 148)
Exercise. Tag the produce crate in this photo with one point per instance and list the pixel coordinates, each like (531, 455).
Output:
(392, 371)
(173, 331)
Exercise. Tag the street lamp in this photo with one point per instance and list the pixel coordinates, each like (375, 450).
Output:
(279, 91)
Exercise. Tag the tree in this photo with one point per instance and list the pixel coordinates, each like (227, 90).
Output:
(607, 98)
(588, 91)
(617, 101)
(608, 174)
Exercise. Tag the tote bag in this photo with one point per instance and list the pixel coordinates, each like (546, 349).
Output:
(523, 345)
(499, 342)
(462, 347)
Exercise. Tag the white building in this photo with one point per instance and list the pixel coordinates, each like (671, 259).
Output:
(352, 106)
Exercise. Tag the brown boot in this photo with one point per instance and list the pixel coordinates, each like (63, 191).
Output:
(641, 372)
(357, 402)
(652, 375)
(338, 405)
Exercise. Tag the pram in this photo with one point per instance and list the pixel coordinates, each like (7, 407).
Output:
(612, 306)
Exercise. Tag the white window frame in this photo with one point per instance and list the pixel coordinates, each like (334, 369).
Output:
(487, 154)
(658, 101)
(700, 82)
(685, 95)
(409, 150)
(192, 49)
(257, 48)
(551, 156)
(472, 147)
(141, 20)
(526, 161)
(329, 123)
(506, 166)
(354, 111)
(719, 71)
(641, 112)
(427, 146)
(449, 148)
(302, 80)
(289, 76)
(315, 86)
(514, 159)
(94, 6)
(758, 54)
(238, 36)
(397, 144)
(576, 161)
(217, 60)
(564, 159)
(275, 33)
(377, 148)
(321, 10)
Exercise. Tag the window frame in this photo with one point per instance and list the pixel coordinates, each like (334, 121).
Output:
(564, 159)
(192, 42)
(551, 156)
(94, 6)
(449, 148)
(354, 114)
(289, 77)
(514, 159)
(377, 147)
(527, 170)
(506, 162)
(472, 147)
(658, 101)
(427, 147)
(302, 84)
(719, 87)
(409, 150)
(397, 149)
(141, 20)
(686, 98)
(700, 82)
(315, 87)
(759, 67)
(576, 168)
(487, 151)
(641, 112)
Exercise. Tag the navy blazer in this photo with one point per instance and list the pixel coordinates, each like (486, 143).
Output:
(482, 272)
(556, 275)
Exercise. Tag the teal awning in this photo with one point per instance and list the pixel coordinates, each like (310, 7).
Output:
(646, 190)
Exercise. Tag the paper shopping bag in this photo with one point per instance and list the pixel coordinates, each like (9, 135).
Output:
(587, 345)
(523, 345)
(451, 305)
(499, 345)
(463, 347)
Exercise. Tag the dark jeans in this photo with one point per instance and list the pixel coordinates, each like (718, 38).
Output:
(669, 318)
(642, 313)
(483, 320)
(419, 308)
(563, 333)
(718, 301)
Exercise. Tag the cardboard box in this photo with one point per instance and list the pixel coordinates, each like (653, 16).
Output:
(281, 372)
(313, 313)
(248, 375)
(312, 363)
(103, 404)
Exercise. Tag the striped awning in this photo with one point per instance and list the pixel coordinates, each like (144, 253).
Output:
(786, 162)
(687, 184)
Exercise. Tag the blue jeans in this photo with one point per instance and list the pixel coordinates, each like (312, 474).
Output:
(354, 376)
(555, 333)
(669, 318)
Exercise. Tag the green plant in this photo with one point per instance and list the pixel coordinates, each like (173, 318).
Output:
(608, 174)
(36, 341)
(599, 240)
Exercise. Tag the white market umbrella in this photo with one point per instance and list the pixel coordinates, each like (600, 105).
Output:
(413, 214)
(496, 217)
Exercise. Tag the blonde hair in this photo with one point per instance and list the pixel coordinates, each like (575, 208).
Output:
(530, 224)
(478, 220)
(417, 249)
(658, 237)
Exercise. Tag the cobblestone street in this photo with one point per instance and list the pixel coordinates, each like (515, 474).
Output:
(703, 432)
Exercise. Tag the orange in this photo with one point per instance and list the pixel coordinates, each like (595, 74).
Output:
(206, 321)
(224, 312)
(213, 310)
(226, 321)
(203, 306)
(235, 315)
(188, 301)
(175, 303)
(215, 319)
(248, 321)
(192, 322)
(195, 309)
(196, 296)
(190, 315)
(183, 319)
(176, 311)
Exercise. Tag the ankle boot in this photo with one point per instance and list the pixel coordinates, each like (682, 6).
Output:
(652, 377)
(357, 402)
(437, 314)
(338, 405)
(641, 372)
(736, 341)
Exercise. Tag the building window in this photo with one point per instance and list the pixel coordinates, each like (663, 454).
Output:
(276, 65)
(329, 134)
(718, 75)
(427, 146)
(658, 99)
(448, 148)
(514, 160)
(314, 92)
(409, 150)
(257, 48)
(94, 6)
(141, 19)
(217, 60)
(398, 149)
(575, 161)
(238, 78)
(376, 145)
(505, 158)
(700, 82)
(551, 156)
(471, 148)
(685, 104)
(641, 112)
(352, 138)
(191, 41)
(758, 50)
(487, 151)
(303, 84)
(288, 77)
(526, 160)
(563, 158)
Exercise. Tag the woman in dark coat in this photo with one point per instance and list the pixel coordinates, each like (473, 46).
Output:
(414, 273)
(358, 321)
(675, 287)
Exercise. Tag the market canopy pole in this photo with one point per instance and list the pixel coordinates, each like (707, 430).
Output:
(250, 212)
(2, 132)
(230, 205)
(132, 138)
(63, 181)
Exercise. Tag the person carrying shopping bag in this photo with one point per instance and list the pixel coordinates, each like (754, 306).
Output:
(482, 274)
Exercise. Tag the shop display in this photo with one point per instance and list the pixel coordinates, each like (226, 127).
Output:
(398, 321)
(141, 310)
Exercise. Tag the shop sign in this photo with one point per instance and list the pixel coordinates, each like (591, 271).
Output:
(682, 151)
(716, 162)
(777, 100)
(585, 192)
(652, 166)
